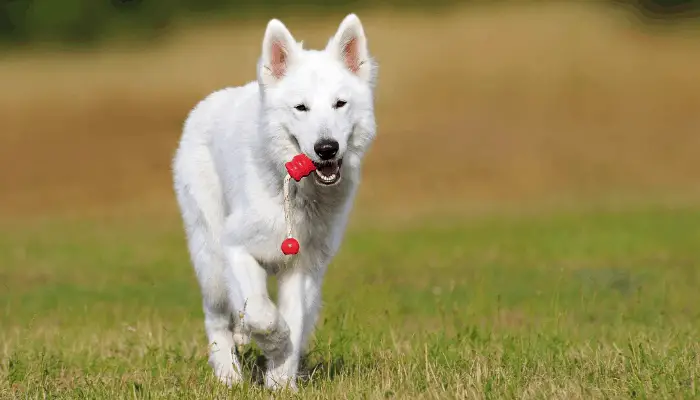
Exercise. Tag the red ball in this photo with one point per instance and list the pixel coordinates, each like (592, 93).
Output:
(290, 246)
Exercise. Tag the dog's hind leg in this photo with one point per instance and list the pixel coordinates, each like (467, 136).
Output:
(209, 264)
(218, 321)
(218, 325)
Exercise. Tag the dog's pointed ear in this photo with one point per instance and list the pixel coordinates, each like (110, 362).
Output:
(278, 52)
(350, 46)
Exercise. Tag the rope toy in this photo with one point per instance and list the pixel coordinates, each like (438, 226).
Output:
(300, 167)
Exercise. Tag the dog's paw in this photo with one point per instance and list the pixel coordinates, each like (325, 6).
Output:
(280, 382)
(260, 316)
(225, 367)
(228, 375)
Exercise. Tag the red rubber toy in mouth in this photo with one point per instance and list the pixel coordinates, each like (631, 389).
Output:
(298, 168)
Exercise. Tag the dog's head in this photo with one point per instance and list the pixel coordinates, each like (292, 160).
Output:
(319, 103)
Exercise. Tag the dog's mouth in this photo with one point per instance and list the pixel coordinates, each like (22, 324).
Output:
(328, 172)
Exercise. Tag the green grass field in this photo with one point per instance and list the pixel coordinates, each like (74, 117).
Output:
(587, 305)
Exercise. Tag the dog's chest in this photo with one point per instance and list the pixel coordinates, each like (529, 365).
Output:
(312, 223)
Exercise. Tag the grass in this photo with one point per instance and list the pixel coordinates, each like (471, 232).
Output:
(574, 305)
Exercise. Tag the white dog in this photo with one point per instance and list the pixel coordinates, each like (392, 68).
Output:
(228, 176)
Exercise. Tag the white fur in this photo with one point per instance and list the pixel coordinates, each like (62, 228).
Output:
(228, 174)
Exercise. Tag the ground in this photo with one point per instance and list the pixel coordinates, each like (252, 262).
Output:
(593, 305)
(527, 225)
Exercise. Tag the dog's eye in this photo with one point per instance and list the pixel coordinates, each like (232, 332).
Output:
(301, 107)
(340, 103)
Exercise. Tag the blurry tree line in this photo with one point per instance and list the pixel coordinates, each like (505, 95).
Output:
(88, 21)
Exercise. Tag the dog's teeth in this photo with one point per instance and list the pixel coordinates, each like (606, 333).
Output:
(327, 178)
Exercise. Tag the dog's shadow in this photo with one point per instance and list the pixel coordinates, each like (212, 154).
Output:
(310, 373)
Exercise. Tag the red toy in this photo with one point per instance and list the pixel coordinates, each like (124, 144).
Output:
(299, 167)
(290, 246)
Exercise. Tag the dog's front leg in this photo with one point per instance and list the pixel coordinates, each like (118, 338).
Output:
(255, 311)
(299, 299)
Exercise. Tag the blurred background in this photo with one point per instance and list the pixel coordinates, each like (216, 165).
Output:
(481, 105)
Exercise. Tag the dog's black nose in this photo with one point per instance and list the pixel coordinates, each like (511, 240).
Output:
(326, 148)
